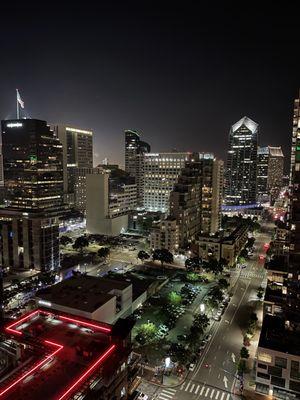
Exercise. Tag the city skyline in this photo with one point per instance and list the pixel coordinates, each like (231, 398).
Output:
(163, 75)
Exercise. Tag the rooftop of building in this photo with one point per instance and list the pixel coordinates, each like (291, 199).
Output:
(139, 283)
(277, 264)
(249, 123)
(63, 356)
(83, 292)
(275, 335)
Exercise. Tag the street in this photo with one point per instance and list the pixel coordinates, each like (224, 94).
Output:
(214, 375)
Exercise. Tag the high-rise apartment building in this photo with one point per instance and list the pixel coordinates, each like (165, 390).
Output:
(135, 149)
(278, 367)
(33, 183)
(111, 196)
(77, 153)
(195, 204)
(270, 163)
(161, 171)
(241, 167)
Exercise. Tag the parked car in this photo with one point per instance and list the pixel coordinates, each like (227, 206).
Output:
(192, 367)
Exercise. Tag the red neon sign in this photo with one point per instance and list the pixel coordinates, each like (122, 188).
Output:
(83, 323)
(37, 366)
(87, 372)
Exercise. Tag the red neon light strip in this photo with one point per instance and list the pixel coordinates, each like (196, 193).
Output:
(10, 327)
(87, 372)
(40, 364)
(79, 322)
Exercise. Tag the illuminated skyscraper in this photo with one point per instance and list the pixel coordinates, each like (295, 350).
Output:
(134, 160)
(33, 183)
(270, 163)
(161, 171)
(241, 168)
(77, 153)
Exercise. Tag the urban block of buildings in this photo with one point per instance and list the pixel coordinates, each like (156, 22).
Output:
(194, 204)
(278, 355)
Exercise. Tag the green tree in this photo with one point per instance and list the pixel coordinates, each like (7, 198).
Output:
(143, 255)
(241, 368)
(64, 240)
(178, 353)
(146, 333)
(244, 353)
(201, 322)
(241, 260)
(103, 252)
(193, 263)
(80, 243)
(214, 266)
(162, 255)
(174, 298)
(223, 283)
(192, 277)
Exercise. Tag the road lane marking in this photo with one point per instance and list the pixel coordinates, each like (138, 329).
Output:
(197, 389)
(192, 388)
(206, 393)
(212, 393)
(217, 395)
(187, 386)
(202, 390)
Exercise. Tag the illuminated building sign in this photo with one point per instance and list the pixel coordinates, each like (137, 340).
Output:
(14, 125)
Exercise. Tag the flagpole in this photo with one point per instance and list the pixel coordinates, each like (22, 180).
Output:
(18, 110)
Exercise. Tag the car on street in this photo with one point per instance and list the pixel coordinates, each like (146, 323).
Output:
(192, 367)
(207, 337)
(217, 317)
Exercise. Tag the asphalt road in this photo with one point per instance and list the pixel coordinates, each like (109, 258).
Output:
(214, 375)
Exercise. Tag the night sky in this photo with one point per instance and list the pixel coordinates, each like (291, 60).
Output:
(179, 74)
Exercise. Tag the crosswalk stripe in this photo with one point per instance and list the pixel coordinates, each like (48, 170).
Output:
(198, 387)
(168, 396)
(217, 395)
(206, 393)
(171, 391)
(228, 397)
(202, 390)
(163, 397)
(212, 393)
(223, 394)
(187, 386)
(192, 388)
